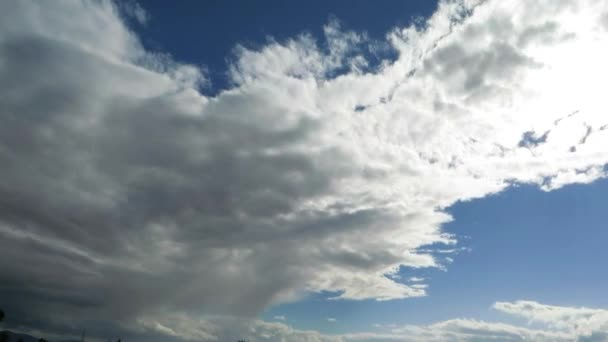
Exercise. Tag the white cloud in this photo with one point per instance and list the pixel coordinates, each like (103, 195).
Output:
(576, 320)
(416, 279)
(280, 318)
(122, 178)
(134, 10)
(227, 329)
(563, 324)
(332, 320)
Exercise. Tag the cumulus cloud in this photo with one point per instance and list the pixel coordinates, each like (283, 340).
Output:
(131, 196)
(584, 322)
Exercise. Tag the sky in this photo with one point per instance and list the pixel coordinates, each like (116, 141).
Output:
(304, 171)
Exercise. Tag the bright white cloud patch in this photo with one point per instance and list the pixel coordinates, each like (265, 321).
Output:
(133, 194)
(578, 321)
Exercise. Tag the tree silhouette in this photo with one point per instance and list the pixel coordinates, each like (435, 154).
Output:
(4, 334)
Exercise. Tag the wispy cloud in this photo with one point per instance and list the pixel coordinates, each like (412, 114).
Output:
(416, 279)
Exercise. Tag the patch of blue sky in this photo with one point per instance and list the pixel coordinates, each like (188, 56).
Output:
(523, 243)
(205, 33)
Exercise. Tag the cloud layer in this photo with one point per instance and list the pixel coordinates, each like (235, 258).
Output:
(128, 193)
(554, 323)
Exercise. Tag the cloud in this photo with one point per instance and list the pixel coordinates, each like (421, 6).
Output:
(463, 330)
(280, 318)
(581, 321)
(134, 10)
(133, 197)
(416, 279)
(225, 328)
(557, 323)
(331, 320)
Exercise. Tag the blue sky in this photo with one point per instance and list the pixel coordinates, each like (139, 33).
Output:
(206, 33)
(522, 243)
(325, 171)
